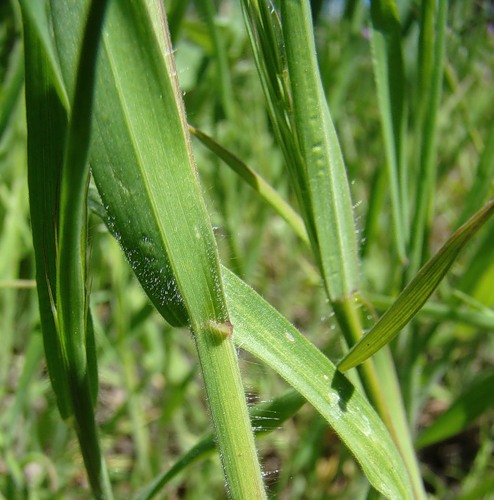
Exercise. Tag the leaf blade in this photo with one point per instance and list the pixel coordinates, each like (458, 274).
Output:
(261, 330)
(416, 293)
(330, 201)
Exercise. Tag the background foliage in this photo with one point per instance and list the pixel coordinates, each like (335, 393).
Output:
(151, 403)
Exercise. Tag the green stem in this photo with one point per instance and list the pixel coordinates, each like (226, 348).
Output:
(256, 182)
(229, 413)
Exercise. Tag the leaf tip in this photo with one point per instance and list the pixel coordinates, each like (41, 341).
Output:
(344, 365)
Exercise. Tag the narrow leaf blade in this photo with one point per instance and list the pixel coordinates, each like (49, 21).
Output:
(330, 201)
(415, 294)
(391, 87)
(256, 182)
(46, 114)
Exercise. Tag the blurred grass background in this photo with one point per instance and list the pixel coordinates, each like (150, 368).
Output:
(152, 407)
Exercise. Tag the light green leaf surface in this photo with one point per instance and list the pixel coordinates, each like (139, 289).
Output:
(330, 201)
(262, 331)
(415, 294)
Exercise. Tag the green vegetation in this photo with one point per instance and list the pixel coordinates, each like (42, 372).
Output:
(203, 212)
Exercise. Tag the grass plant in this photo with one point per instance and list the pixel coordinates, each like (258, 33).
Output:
(230, 205)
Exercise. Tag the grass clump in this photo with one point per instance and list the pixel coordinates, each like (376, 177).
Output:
(295, 109)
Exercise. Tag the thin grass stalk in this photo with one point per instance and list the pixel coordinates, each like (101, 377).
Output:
(451, 80)
(336, 234)
(11, 88)
(431, 53)
(372, 220)
(221, 55)
(256, 182)
(296, 100)
(265, 417)
(431, 77)
(391, 86)
(213, 338)
(265, 33)
(219, 365)
(329, 203)
(129, 368)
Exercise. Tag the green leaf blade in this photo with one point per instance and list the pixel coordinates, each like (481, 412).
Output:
(256, 182)
(143, 167)
(330, 201)
(46, 116)
(262, 331)
(415, 294)
(386, 44)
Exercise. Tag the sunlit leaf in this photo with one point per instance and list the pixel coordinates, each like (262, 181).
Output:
(415, 294)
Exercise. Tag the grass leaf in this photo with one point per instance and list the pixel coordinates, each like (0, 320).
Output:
(256, 182)
(389, 74)
(61, 244)
(265, 417)
(46, 115)
(430, 78)
(262, 331)
(416, 293)
(144, 171)
(330, 202)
